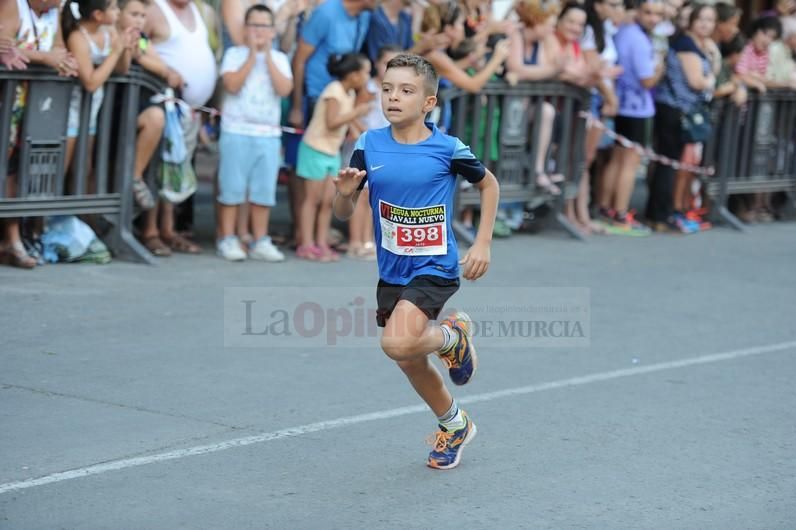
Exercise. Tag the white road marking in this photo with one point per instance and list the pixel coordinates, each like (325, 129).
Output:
(301, 430)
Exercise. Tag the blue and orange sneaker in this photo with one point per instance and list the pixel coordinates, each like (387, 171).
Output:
(461, 359)
(448, 445)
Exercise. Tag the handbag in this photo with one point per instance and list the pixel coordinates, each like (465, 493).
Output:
(696, 124)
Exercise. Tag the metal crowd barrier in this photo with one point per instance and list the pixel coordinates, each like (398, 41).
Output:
(41, 176)
(753, 149)
(502, 126)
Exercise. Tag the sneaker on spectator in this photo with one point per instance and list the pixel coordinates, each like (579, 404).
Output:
(678, 223)
(265, 250)
(697, 216)
(628, 226)
(229, 249)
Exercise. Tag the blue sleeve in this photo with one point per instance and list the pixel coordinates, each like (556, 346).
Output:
(464, 163)
(358, 158)
(316, 28)
(643, 58)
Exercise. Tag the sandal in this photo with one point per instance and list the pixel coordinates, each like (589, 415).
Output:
(180, 244)
(328, 253)
(309, 253)
(143, 197)
(547, 183)
(156, 246)
(16, 256)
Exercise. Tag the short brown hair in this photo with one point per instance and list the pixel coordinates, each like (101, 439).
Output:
(421, 67)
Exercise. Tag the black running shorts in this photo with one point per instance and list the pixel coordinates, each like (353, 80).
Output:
(428, 292)
(637, 130)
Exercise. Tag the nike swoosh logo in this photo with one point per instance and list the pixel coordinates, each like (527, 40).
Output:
(374, 168)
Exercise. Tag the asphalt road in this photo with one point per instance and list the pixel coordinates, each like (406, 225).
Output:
(121, 407)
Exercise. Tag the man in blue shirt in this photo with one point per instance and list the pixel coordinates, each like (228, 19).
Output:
(641, 71)
(334, 27)
(390, 25)
(411, 169)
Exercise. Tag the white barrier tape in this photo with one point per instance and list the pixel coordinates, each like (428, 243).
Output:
(646, 151)
(163, 98)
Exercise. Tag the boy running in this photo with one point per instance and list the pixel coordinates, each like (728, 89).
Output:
(411, 170)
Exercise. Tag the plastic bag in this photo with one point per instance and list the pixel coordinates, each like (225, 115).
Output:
(177, 181)
(177, 177)
(174, 150)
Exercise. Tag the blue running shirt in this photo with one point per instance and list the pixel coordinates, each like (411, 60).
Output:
(411, 193)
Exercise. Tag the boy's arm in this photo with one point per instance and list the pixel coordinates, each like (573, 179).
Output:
(233, 80)
(350, 182)
(464, 163)
(476, 261)
(282, 83)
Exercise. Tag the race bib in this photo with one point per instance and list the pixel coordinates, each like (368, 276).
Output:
(413, 231)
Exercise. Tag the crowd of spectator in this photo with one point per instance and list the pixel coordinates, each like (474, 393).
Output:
(313, 68)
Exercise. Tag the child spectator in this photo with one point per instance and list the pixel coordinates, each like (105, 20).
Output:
(89, 31)
(151, 118)
(361, 245)
(319, 152)
(255, 77)
(754, 59)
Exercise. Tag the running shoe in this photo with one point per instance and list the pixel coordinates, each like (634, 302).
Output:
(697, 216)
(678, 223)
(448, 446)
(627, 225)
(460, 359)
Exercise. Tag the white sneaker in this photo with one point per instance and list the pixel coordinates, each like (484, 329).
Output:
(265, 250)
(229, 249)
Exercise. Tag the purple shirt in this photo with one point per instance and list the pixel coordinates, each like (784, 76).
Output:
(637, 57)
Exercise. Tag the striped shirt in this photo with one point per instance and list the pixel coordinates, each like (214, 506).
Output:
(751, 61)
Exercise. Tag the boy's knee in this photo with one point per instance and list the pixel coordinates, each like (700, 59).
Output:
(398, 348)
(413, 366)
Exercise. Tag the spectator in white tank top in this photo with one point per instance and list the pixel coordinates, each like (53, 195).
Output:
(180, 37)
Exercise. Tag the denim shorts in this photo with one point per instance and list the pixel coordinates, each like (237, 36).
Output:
(248, 165)
(73, 127)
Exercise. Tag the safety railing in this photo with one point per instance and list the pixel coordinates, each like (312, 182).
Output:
(503, 123)
(753, 149)
(39, 160)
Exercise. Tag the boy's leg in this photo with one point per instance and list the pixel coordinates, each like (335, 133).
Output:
(260, 216)
(227, 215)
(261, 183)
(408, 339)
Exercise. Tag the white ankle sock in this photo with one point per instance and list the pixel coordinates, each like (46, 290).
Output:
(451, 338)
(453, 419)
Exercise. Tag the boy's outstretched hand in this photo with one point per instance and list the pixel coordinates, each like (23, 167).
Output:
(476, 262)
(348, 180)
